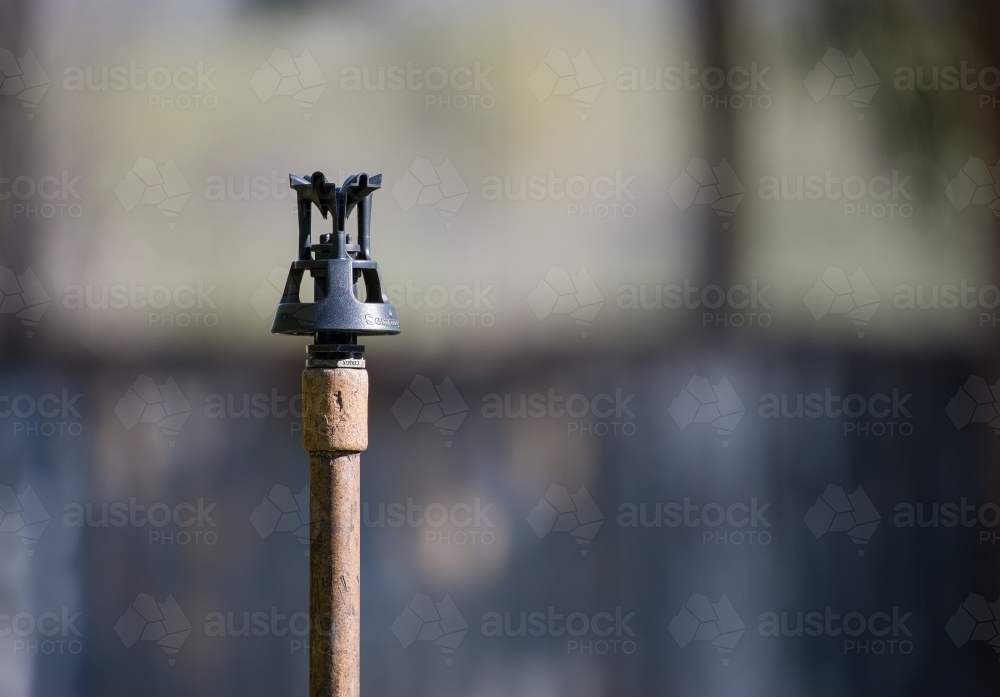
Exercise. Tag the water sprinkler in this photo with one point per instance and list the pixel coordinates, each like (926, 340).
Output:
(347, 302)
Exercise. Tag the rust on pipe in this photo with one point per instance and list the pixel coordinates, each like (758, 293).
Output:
(335, 431)
(335, 410)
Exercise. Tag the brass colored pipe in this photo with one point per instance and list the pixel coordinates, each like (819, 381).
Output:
(335, 432)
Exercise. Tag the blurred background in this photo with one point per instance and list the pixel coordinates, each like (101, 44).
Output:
(695, 393)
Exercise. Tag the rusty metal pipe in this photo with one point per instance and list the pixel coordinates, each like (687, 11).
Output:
(335, 432)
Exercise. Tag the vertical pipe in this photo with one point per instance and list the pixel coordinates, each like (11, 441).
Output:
(335, 432)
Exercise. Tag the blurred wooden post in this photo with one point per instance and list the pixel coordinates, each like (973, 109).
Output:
(335, 432)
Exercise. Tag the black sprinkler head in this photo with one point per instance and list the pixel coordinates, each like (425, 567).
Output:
(348, 298)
